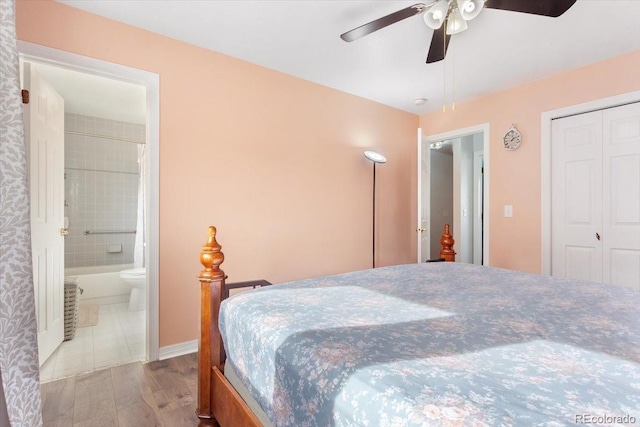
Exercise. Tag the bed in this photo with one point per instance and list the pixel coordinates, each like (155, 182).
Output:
(415, 345)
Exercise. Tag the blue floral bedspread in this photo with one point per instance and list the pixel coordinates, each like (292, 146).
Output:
(446, 344)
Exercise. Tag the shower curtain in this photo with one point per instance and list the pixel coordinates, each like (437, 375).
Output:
(20, 400)
(138, 248)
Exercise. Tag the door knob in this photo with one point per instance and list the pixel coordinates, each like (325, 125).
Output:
(597, 236)
(64, 231)
(420, 229)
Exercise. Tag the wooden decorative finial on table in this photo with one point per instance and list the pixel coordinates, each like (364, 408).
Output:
(446, 241)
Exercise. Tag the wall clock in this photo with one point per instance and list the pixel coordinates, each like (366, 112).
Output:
(512, 138)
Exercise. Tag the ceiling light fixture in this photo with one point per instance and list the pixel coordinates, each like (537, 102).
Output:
(420, 101)
(469, 9)
(436, 14)
(455, 23)
(455, 13)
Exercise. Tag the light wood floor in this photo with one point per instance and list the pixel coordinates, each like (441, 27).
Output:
(161, 393)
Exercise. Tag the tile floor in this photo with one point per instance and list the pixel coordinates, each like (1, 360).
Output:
(119, 337)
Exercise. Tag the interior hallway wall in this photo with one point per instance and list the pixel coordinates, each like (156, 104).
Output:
(441, 198)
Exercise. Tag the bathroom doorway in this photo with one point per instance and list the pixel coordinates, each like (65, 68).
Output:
(110, 160)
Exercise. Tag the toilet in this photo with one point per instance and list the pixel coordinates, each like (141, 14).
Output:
(137, 279)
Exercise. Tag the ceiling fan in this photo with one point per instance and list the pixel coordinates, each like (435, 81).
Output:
(449, 17)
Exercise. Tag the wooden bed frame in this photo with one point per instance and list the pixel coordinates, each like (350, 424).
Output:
(219, 404)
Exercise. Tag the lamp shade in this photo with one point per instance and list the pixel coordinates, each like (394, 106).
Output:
(469, 9)
(455, 23)
(375, 157)
(435, 16)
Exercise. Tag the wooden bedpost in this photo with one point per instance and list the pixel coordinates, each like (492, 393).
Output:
(446, 241)
(210, 348)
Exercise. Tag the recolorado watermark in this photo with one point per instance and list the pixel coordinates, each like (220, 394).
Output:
(605, 419)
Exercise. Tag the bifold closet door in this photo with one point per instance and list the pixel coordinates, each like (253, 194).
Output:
(576, 201)
(621, 195)
(595, 220)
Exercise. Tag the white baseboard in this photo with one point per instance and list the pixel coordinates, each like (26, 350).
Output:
(179, 349)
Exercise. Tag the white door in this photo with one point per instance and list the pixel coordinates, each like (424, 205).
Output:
(424, 199)
(621, 196)
(596, 196)
(576, 175)
(44, 128)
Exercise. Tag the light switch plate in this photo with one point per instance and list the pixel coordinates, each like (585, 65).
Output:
(508, 211)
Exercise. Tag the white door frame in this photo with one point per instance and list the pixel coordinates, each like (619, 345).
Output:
(545, 167)
(151, 81)
(459, 133)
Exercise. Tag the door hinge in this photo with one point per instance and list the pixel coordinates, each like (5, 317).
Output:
(25, 96)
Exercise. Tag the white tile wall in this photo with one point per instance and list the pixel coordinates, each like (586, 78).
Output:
(101, 189)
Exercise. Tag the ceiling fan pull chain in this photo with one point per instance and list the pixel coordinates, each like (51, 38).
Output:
(453, 82)
(444, 75)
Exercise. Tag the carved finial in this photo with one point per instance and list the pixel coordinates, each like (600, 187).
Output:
(211, 257)
(446, 241)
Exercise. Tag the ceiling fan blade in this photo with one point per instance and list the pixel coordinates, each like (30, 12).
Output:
(552, 8)
(380, 23)
(439, 45)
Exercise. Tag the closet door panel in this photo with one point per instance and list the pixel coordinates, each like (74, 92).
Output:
(621, 195)
(577, 197)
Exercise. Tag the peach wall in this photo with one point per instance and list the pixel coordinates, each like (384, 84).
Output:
(275, 162)
(515, 243)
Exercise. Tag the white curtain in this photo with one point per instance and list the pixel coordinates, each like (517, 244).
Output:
(138, 248)
(18, 333)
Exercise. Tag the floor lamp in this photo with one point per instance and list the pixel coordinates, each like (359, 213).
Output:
(375, 157)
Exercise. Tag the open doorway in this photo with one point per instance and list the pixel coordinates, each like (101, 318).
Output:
(440, 193)
(110, 210)
(453, 189)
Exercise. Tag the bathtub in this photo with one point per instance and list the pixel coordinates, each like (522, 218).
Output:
(101, 284)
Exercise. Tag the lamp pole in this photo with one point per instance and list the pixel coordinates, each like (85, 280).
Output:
(373, 220)
(375, 157)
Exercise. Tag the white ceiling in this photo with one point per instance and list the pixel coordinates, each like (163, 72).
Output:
(499, 50)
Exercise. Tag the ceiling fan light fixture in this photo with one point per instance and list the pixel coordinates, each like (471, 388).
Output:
(455, 23)
(469, 9)
(435, 16)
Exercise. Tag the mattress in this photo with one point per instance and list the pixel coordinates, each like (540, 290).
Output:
(436, 344)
